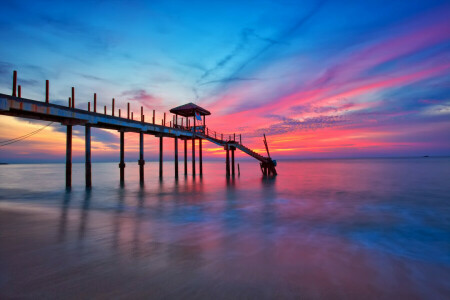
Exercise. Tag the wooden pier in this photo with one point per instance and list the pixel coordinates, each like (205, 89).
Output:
(179, 128)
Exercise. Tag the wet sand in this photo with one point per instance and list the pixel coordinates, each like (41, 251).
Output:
(81, 254)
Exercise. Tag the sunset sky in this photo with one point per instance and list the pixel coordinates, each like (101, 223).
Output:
(319, 78)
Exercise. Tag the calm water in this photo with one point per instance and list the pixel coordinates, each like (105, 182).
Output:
(373, 228)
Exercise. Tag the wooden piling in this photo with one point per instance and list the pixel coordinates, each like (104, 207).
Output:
(176, 156)
(153, 120)
(141, 157)
(89, 106)
(73, 97)
(232, 160)
(200, 155)
(122, 157)
(128, 110)
(47, 93)
(185, 156)
(105, 110)
(132, 116)
(239, 170)
(164, 119)
(70, 102)
(19, 91)
(112, 109)
(193, 156)
(69, 156)
(227, 161)
(14, 87)
(142, 114)
(95, 102)
(88, 168)
(160, 157)
(119, 113)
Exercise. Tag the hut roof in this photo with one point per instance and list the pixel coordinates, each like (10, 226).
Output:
(189, 109)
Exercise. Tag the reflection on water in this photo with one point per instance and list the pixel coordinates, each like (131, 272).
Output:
(321, 229)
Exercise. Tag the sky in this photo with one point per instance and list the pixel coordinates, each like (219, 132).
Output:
(322, 79)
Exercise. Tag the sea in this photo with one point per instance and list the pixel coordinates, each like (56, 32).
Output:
(322, 229)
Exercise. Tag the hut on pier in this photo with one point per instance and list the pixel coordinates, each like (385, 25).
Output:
(191, 110)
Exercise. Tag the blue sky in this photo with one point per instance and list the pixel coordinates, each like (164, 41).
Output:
(289, 68)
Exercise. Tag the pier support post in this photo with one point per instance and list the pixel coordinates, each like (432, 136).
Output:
(141, 161)
(193, 156)
(122, 157)
(88, 167)
(69, 156)
(176, 157)
(232, 160)
(185, 156)
(200, 155)
(160, 157)
(227, 162)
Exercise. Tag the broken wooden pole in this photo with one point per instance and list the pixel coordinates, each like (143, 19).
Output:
(160, 157)
(88, 168)
(69, 156)
(141, 157)
(176, 156)
(122, 157)
(14, 87)
(47, 93)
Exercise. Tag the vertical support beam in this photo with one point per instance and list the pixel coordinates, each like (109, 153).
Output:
(232, 160)
(122, 157)
(14, 87)
(70, 102)
(160, 157)
(47, 97)
(153, 116)
(19, 91)
(128, 110)
(193, 156)
(185, 156)
(141, 157)
(95, 102)
(69, 156)
(113, 102)
(227, 162)
(89, 106)
(73, 97)
(176, 157)
(200, 154)
(164, 119)
(88, 168)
